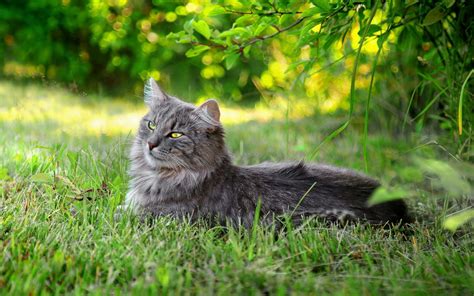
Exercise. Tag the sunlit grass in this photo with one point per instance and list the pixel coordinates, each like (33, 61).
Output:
(62, 111)
(63, 172)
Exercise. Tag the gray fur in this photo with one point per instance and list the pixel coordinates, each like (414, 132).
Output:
(193, 175)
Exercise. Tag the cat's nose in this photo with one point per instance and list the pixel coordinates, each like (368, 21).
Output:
(152, 145)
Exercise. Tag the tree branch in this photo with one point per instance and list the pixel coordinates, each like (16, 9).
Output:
(210, 44)
(263, 13)
(279, 31)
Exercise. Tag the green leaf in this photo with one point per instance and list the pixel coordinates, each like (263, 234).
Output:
(176, 35)
(371, 30)
(267, 20)
(230, 60)
(228, 33)
(306, 34)
(197, 50)
(434, 15)
(383, 194)
(286, 20)
(310, 12)
(242, 32)
(180, 37)
(323, 4)
(202, 28)
(330, 40)
(448, 178)
(215, 10)
(42, 178)
(247, 51)
(186, 39)
(245, 20)
(449, 3)
(260, 28)
(453, 222)
(188, 26)
(307, 39)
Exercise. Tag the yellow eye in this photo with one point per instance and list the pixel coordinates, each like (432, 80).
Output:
(175, 135)
(151, 125)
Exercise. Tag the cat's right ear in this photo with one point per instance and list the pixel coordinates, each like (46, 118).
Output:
(153, 95)
(210, 111)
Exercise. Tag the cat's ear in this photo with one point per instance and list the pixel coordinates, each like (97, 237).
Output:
(152, 93)
(210, 109)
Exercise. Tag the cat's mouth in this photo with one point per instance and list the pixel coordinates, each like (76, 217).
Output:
(155, 158)
(159, 158)
(156, 162)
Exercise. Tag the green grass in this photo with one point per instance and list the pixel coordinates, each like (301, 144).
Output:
(63, 162)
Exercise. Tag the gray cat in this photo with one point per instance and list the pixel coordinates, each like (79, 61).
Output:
(180, 166)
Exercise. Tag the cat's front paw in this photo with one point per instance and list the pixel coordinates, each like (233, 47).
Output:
(122, 211)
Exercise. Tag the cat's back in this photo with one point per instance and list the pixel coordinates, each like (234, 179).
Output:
(299, 171)
(321, 183)
(289, 170)
(329, 191)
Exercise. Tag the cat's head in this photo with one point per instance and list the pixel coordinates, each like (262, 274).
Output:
(177, 135)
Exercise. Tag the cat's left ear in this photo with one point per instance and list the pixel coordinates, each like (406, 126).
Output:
(153, 94)
(210, 109)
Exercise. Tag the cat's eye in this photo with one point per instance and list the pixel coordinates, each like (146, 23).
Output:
(175, 135)
(151, 125)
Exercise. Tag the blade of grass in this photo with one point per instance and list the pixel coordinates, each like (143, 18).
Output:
(431, 79)
(428, 106)
(287, 127)
(256, 219)
(369, 97)
(460, 102)
(329, 138)
(353, 80)
(405, 118)
(302, 198)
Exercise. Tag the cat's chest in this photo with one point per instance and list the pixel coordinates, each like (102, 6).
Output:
(144, 189)
(150, 187)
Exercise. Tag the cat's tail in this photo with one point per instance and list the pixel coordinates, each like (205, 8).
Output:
(389, 213)
(338, 194)
(393, 212)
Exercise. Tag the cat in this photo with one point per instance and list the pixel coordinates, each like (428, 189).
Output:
(180, 167)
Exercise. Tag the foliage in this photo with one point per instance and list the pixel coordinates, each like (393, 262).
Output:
(453, 178)
(417, 50)
(91, 42)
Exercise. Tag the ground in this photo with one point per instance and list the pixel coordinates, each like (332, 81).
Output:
(63, 172)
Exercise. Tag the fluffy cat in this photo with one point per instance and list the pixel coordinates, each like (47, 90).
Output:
(180, 166)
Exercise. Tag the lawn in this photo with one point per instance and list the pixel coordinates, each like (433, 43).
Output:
(63, 171)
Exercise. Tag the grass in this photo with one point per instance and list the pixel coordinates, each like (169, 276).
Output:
(63, 163)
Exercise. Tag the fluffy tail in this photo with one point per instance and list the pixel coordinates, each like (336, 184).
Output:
(393, 212)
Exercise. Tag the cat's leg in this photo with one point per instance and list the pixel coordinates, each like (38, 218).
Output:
(129, 207)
